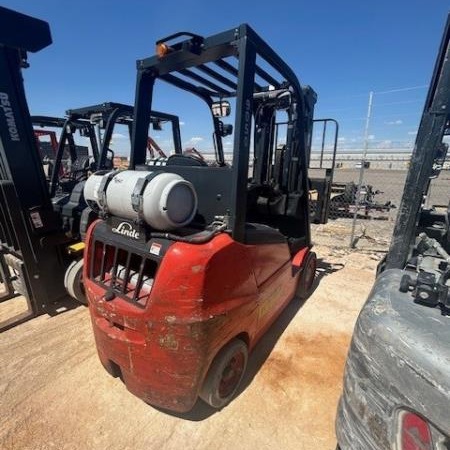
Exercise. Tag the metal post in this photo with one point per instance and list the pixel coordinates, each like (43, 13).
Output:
(99, 135)
(324, 132)
(361, 170)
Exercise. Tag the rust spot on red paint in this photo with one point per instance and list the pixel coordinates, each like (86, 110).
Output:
(168, 341)
(196, 269)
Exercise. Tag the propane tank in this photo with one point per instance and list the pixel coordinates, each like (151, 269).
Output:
(164, 200)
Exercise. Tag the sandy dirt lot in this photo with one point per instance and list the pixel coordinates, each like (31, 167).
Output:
(55, 393)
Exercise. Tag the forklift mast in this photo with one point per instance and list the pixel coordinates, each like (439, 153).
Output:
(27, 215)
(427, 149)
(20, 161)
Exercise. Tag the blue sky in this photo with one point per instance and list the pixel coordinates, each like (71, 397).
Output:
(342, 49)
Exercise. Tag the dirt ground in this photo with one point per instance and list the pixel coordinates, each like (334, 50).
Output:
(55, 393)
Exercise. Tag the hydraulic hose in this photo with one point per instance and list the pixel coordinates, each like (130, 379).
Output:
(199, 238)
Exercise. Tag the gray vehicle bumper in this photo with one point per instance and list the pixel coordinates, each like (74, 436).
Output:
(399, 359)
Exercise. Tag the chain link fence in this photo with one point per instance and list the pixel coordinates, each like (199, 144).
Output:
(370, 171)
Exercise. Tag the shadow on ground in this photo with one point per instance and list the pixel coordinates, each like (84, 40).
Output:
(264, 347)
(323, 269)
(67, 304)
(23, 312)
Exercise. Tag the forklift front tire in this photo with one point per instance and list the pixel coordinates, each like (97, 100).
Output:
(307, 276)
(225, 374)
(73, 281)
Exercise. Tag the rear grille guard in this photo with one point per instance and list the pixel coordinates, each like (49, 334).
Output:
(123, 272)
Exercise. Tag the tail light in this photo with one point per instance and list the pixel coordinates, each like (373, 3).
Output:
(414, 432)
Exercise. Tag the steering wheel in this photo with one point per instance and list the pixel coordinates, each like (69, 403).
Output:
(195, 154)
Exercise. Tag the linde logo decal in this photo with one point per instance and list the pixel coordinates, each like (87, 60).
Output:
(5, 105)
(126, 229)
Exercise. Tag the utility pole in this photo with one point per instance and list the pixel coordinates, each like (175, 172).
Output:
(361, 170)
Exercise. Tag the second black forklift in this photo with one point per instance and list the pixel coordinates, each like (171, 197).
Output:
(71, 159)
(42, 216)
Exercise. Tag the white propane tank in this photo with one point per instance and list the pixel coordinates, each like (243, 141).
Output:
(168, 200)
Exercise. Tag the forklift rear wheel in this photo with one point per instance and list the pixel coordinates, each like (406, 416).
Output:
(225, 374)
(306, 279)
(73, 281)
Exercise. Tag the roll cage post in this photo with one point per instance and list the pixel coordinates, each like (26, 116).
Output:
(207, 55)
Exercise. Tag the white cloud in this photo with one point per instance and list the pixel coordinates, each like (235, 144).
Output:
(342, 139)
(412, 133)
(182, 123)
(387, 143)
(118, 136)
(394, 122)
(196, 139)
(371, 137)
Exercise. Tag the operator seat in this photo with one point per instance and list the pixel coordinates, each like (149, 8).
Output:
(185, 160)
(258, 233)
(79, 168)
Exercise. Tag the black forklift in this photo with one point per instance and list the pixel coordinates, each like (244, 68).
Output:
(42, 218)
(62, 150)
(31, 260)
(66, 163)
(106, 116)
(397, 377)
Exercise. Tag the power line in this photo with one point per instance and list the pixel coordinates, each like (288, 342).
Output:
(410, 88)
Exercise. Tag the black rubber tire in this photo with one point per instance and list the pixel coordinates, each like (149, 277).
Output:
(381, 265)
(307, 277)
(73, 282)
(405, 283)
(235, 352)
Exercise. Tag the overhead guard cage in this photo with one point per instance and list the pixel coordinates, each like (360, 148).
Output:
(220, 67)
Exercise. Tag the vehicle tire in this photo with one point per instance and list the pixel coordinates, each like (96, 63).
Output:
(73, 281)
(405, 283)
(307, 276)
(381, 265)
(225, 374)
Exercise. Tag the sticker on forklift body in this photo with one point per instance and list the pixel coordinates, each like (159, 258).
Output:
(155, 249)
(36, 219)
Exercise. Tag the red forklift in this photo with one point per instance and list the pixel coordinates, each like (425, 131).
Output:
(191, 261)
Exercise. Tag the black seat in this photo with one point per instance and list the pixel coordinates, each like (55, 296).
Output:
(184, 160)
(257, 233)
